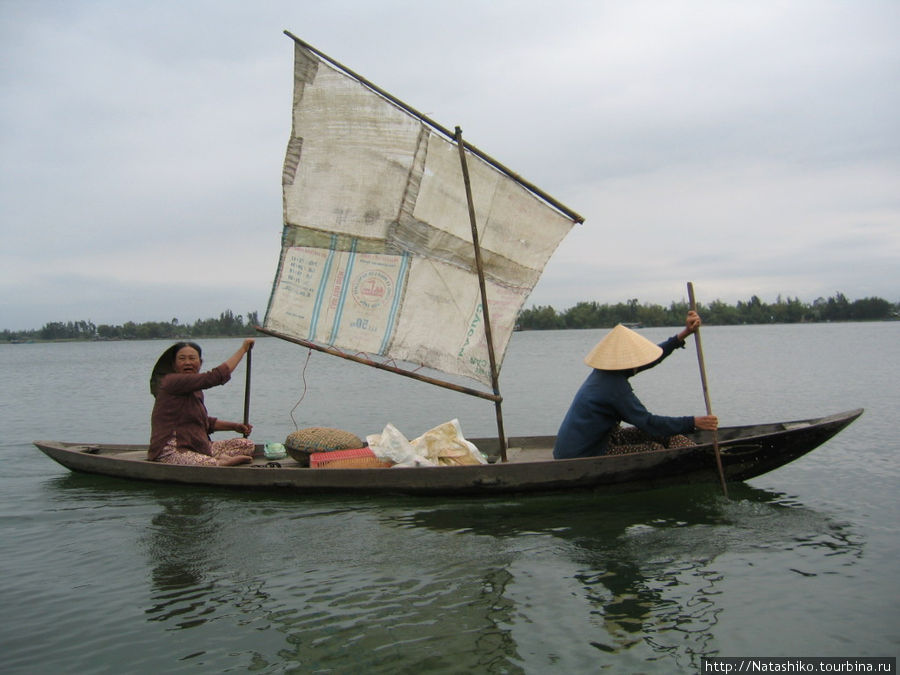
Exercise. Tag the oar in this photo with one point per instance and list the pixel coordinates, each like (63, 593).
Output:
(247, 392)
(690, 289)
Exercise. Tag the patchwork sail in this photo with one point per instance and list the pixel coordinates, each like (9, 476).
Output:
(377, 249)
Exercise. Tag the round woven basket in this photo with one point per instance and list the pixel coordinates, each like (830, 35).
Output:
(304, 442)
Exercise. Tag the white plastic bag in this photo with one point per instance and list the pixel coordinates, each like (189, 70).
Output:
(392, 445)
(444, 445)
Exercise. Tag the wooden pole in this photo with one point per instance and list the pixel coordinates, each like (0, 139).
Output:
(381, 366)
(247, 392)
(690, 289)
(495, 380)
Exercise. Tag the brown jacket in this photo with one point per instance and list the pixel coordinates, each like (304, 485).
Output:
(179, 411)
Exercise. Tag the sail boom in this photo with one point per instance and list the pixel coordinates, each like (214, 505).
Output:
(556, 204)
(496, 398)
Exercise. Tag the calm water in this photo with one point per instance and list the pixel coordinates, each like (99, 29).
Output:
(103, 576)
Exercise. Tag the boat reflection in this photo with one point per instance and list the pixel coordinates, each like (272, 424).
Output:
(575, 582)
(645, 574)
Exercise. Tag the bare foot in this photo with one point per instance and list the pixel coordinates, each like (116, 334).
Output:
(233, 461)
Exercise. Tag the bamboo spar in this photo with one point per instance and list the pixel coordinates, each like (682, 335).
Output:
(693, 306)
(356, 358)
(495, 380)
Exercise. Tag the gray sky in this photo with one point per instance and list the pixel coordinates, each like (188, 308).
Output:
(749, 147)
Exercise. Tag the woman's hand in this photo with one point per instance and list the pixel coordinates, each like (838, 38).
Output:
(706, 422)
(240, 427)
(692, 322)
(691, 325)
(235, 359)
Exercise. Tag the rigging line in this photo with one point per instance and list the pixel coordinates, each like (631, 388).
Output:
(303, 395)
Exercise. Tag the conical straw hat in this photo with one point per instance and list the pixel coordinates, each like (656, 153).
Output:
(622, 349)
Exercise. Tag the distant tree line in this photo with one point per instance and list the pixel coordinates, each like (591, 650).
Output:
(582, 315)
(753, 311)
(227, 325)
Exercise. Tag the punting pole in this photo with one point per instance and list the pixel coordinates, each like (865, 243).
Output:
(495, 380)
(247, 391)
(690, 289)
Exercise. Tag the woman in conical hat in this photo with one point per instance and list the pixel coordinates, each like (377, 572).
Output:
(606, 398)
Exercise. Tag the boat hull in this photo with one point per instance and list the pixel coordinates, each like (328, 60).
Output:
(746, 452)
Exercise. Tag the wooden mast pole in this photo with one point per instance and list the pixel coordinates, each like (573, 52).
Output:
(690, 289)
(495, 379)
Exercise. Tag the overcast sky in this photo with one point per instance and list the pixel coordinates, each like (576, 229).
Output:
(749, 147)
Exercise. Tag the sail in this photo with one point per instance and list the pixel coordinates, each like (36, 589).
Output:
(377, 254)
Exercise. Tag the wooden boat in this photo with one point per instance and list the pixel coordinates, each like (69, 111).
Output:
(407, 249)
(746, 451)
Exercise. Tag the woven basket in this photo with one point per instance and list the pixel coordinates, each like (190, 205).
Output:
(356, 458)
(303, 443)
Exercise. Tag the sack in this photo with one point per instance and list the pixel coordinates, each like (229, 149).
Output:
(392, 446)
(304, 442)
(444, 445)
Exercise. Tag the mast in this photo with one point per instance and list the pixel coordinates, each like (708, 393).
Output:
(495, 380)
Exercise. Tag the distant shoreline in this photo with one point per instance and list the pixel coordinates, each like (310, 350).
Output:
(836, 309)
(518, 330)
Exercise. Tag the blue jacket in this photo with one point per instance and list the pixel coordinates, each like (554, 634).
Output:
(605, 399)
